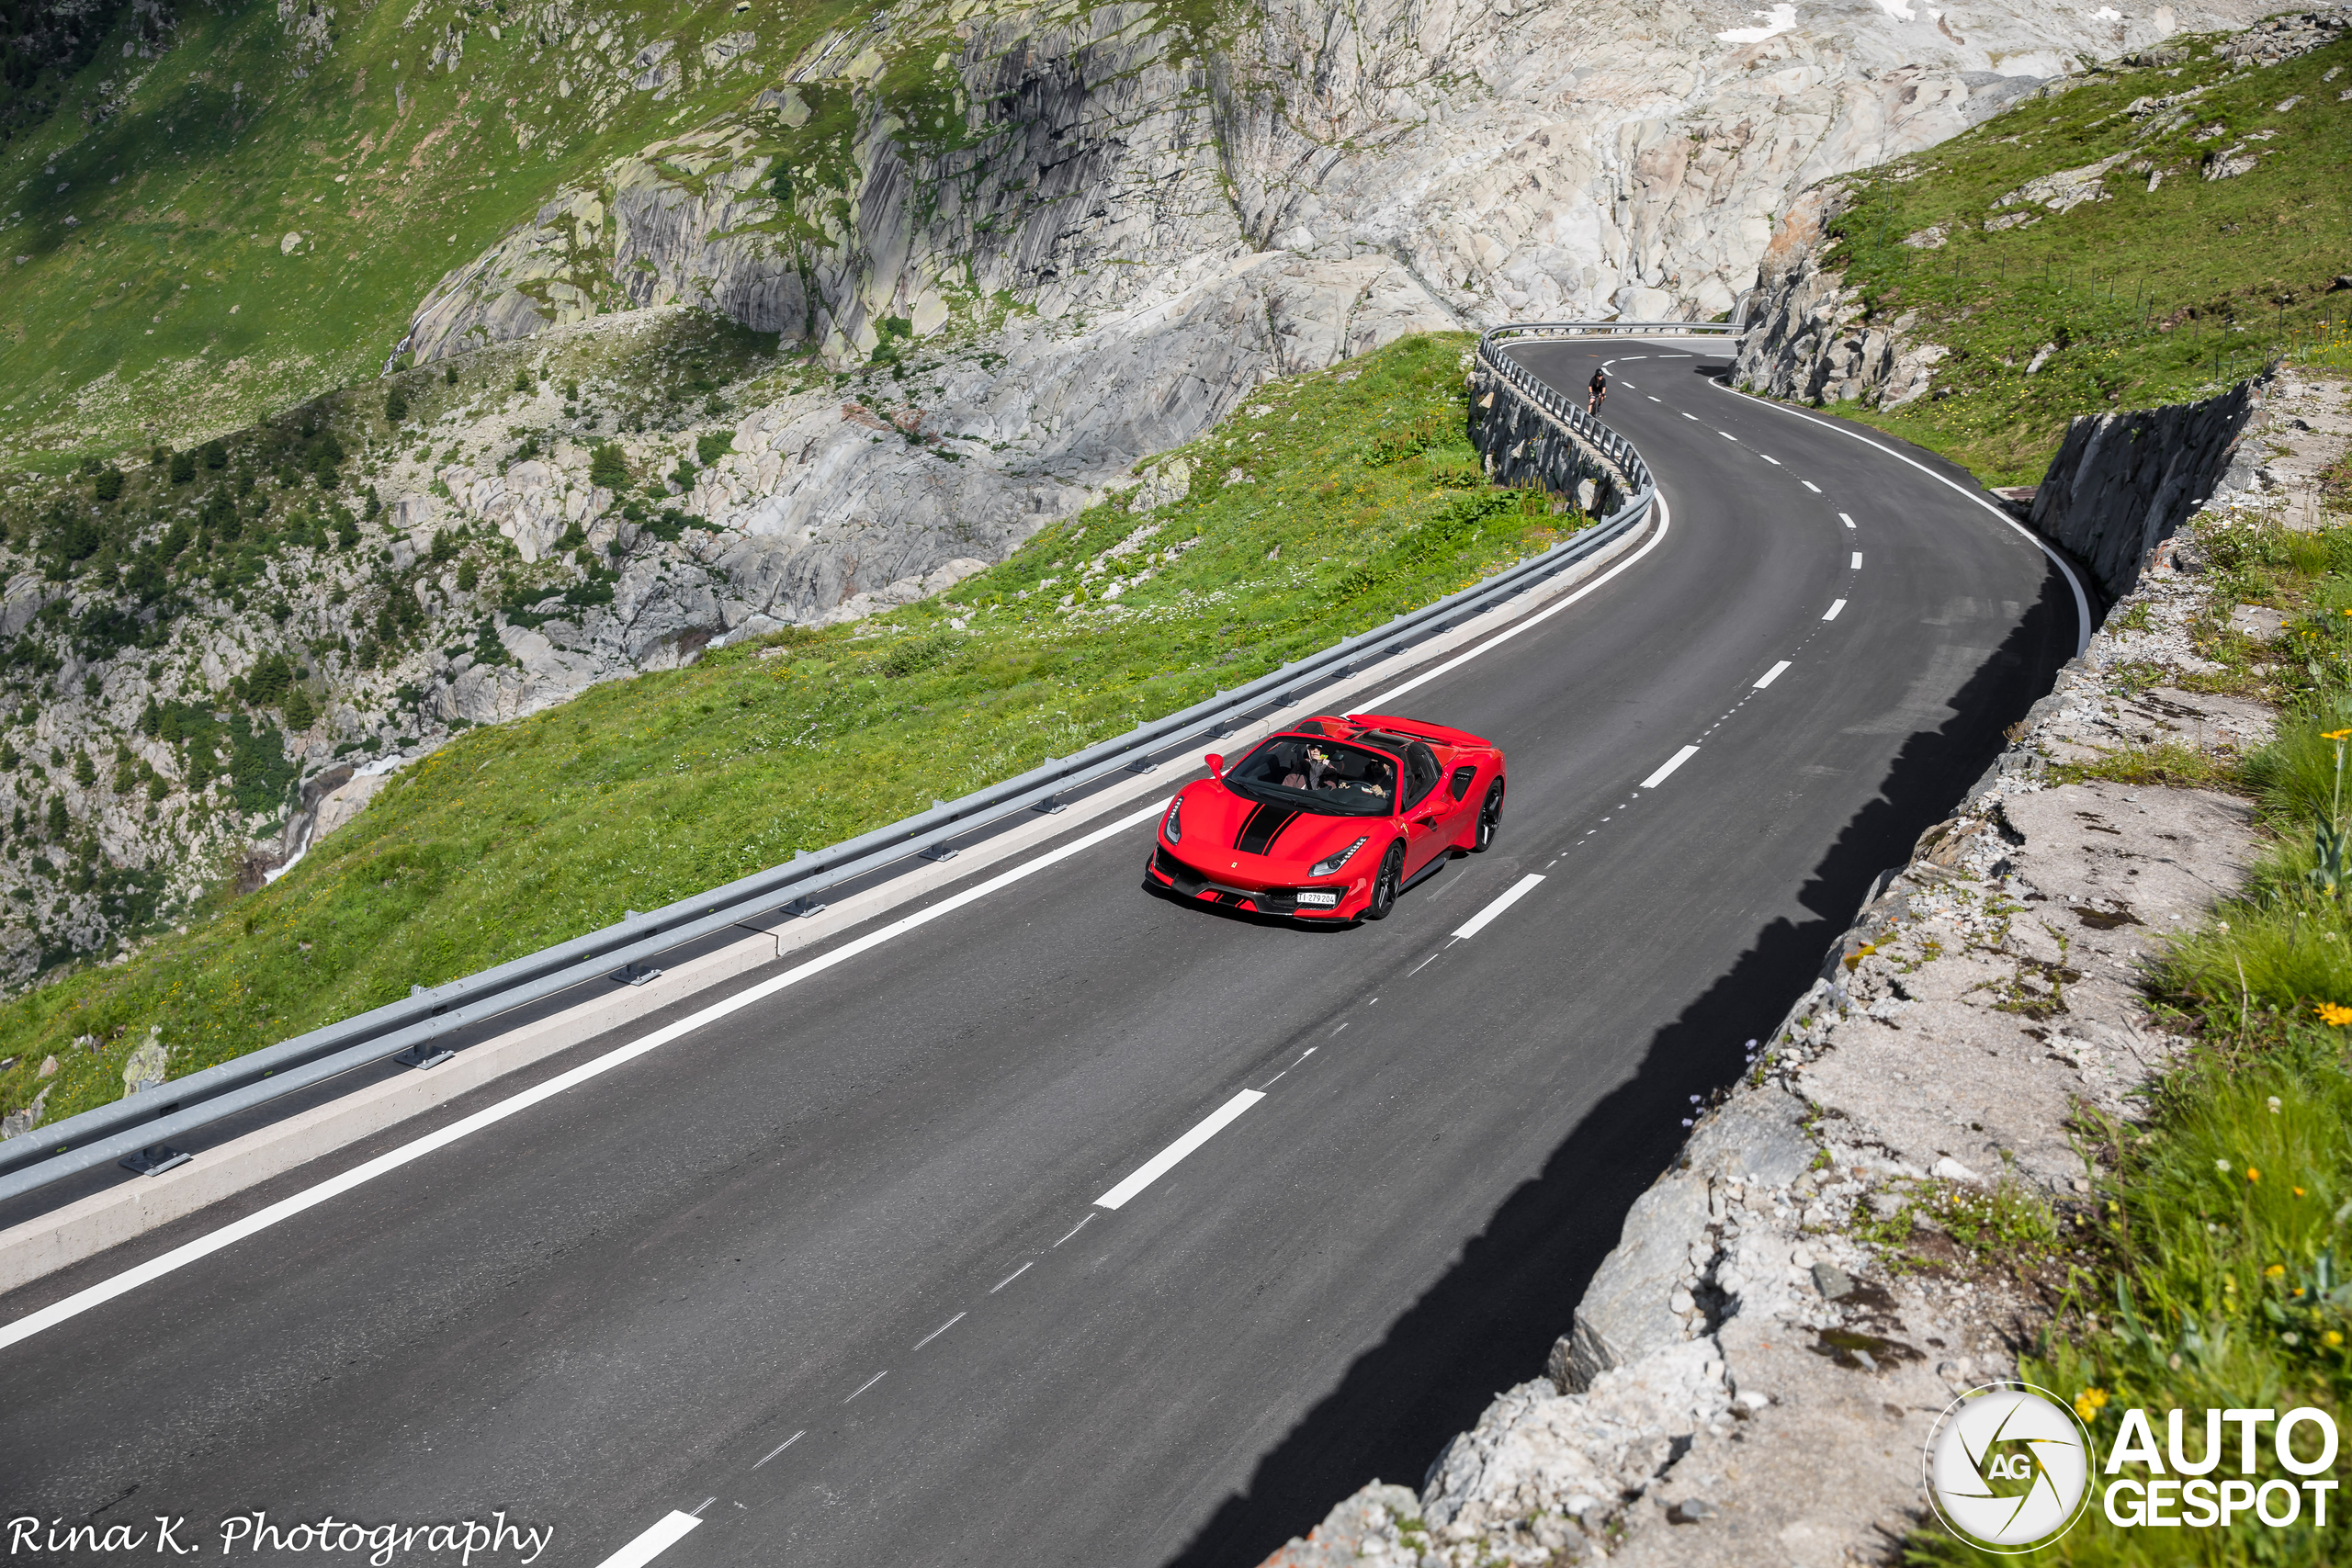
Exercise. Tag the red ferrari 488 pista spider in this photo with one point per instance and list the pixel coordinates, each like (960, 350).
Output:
(1330, 818)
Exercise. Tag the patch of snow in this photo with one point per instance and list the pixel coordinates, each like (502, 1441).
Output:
(1780, 19)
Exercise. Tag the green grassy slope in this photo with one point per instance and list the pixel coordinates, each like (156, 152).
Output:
(144, 289)
(2149, 296)
(1363, 499)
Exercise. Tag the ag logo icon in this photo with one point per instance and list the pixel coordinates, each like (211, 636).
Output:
(2008, 1467)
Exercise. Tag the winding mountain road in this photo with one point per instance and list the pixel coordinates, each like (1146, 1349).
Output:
(826, 1280)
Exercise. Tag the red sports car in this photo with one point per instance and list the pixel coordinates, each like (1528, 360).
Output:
(1329, 818)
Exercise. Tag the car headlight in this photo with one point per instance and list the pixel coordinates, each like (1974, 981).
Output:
(1174, 826)
(1326, 867)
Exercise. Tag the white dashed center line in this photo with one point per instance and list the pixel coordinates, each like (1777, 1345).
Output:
(1161, 1164)
(1835, 606)
(1518, 890)
(1811, 486)
(869, 1383)
(1672, 762)
(1774, 461)
(798, 1436)
(937, 1332)
(1858, 560)
(1846, 520)
(1771, 675)
(653, 1542)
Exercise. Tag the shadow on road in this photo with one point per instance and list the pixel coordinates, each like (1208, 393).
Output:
(1490, 1321)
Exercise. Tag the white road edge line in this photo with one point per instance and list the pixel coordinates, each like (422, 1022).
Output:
(1770, 675)
(1831, 613)
(672, 1529)
(417, 1148)
(1518, 890)
(2082, 600)
(1161, 1164)
(1672, 762)
(1379, 703)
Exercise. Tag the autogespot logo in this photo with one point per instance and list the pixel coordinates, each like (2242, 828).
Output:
(2008, 1467)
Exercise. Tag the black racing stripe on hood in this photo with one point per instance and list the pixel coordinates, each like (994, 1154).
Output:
(1262, 826)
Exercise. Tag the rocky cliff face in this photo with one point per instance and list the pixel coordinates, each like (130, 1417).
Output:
(1811, 338)
(1096, 227)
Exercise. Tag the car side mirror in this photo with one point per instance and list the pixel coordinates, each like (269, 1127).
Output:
(1216, 764)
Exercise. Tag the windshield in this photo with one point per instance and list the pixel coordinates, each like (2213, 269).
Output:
(1321, 776)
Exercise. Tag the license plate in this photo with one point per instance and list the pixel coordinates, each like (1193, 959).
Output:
(1327, 899)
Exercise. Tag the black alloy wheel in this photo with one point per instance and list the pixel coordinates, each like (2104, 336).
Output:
(1384, 885)
(1490, 817)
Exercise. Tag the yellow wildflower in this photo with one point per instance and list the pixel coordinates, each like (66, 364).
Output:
(2252, 1174)
(2275, 1270)
(2088, 1403)
(2337, 733)
(2332, 1338)
(2332, 1015)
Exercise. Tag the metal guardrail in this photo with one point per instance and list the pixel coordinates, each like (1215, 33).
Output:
(135, 1130)
(1563, 406)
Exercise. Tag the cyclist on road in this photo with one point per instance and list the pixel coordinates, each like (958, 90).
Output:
(1599, 389)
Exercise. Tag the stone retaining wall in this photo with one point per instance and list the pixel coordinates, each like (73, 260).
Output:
(1523, 443)
(2122, 482)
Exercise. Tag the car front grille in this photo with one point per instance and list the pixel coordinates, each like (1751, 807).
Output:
(1265, 900)
(1186, 879)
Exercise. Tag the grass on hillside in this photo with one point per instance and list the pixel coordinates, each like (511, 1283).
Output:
(2147, 296)
(145, 280)
(2223, 1226)
(1358, 496)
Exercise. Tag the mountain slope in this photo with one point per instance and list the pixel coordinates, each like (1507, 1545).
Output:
(234, 215)
(2150, 235)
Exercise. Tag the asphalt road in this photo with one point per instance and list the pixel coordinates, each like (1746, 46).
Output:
(622, 1300)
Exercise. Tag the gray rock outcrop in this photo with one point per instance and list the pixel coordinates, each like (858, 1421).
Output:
(2122, 482)
(1810, 338)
